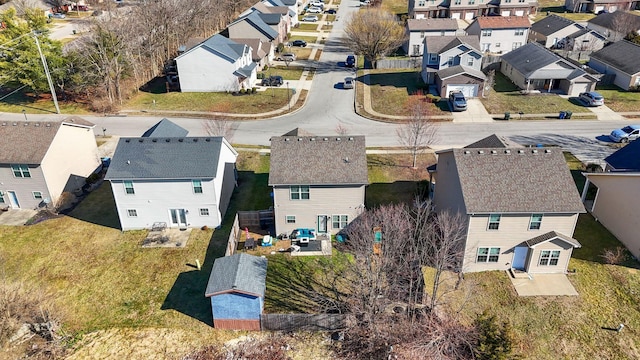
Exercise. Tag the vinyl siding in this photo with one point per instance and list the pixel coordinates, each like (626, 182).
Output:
(201, 70)
(323, 200)
(244, 30)
(563, 261)
(23, 187)
(225, 181)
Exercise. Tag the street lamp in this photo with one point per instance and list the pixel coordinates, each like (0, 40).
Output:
(24, 112)
(288, 97)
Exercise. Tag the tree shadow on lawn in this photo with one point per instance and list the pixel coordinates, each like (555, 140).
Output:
(156, 85)
(26, 101)
(409, 80)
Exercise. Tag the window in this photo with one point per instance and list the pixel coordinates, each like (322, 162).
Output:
(339, 221)
(494, 222)
(291, 219)
(519, 32)
(486, 254)
(204, 212)
(128, 187)
(416, 50)
(470, 61)
(497, 45)
(516, 45)
(1, 197)
(471, 2)
(197, 186)
(507, 1)
(535, 222)
(37, 195)
(421, 3)
(299, 192)
(132, 213)
(21, 171)
(450, 61)
(442, 33)
(458, 2)
(549, 257)
(637, 81)
(486, 32)
(520, 1)
(422, 34)
(434, 58)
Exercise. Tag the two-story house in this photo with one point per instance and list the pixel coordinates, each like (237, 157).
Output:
(615, 25)
(291, 4)
(600, 6)
(277, 17)
(520, 205)
(252, 26)
(318, 181)
(41, 160)
(500, 34)
(418, 29)
(552, 30)
(216, 64)
(470, 9)
(453, 63)
(177, 180)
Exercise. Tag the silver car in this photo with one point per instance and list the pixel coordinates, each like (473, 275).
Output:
(625, 134)
(591, 98)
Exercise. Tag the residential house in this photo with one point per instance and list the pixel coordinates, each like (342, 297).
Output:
(289, 17)
(291, 4)
(584, 40)
(261, 52)
(418, 29)
(216, 64)
(453, 63)
(520, 206)
(470, 9)
(318, 181)
(615, 25)
(236, 289)
(500, 34)
(552, 30)
(533, 67)
(41, 160)
(621, 60)
(176, 180)
(617, 199)
(600, 6)
(252, 26)
(276, 17)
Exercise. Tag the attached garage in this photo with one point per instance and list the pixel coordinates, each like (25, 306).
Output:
(458, 78)
(519, 12)
(469, 91)
(506, 13)
(469, 15)
(455, 15)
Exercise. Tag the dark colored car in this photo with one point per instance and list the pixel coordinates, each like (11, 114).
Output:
(351, 61)
(330, 11)
(275, 80)
(300, 43)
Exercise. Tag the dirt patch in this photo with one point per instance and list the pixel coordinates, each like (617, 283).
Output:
(167, 238)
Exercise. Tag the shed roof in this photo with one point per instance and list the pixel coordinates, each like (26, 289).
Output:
(432, 24)
(318, 160)
(551, 24)
(166, 128)
(622, 55)
(240, 272)
(626, 158)
(503, 22)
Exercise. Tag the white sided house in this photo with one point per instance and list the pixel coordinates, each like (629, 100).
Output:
(179, 182)
(215, 65)
(418, 29)
(500, 34)
(318, 181)
(521, 206)
(41, 160)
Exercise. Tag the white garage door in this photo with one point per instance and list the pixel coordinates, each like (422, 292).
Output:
(455, 16)
(597, 9)
(469, 16)
(519, 12)
(469, 91)
(579, 88)
(506, 13)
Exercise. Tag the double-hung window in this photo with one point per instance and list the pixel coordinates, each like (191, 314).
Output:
(488, 255)
(299, 192)
(549, 257)
(519, 32)
(1, 197)
(128, 187)
(535, 222)
(37, 195)
(339, 221)
(486, 32)
(494, 222)
(290, 219)
(132, 213)
(21, 171)
(197, 186)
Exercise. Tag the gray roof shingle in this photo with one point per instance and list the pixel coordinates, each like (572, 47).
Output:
(165, 158)
(493, 141)
(550, 236)
(254, 19)
(613, 20)
(318, 160)
(622, 55)
(626, 158)
(240, 272)
(439, 44)
(551, 24)
(459, 70)
(166, 128)
(517, 180)
(531, 59)
(432, 24)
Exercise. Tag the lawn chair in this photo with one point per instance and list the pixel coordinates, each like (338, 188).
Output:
(250, 244)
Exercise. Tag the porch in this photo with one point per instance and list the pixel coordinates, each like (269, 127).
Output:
(543, 285)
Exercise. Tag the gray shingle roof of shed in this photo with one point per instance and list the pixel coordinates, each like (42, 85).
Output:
(165, 158)
(166, 128)
(318, 160)
(518, 180)
(550, 236)
(551, 24)
(621, 55)
(240, 272)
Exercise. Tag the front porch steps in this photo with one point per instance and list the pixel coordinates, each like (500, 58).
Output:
(519, 274)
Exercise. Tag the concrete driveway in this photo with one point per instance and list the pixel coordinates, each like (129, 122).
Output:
(604, 113)
(475, 113)
(16, 217)
(544, 285)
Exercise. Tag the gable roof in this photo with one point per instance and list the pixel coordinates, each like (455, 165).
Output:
(626, 158)
(254, 20)
(518, 180)
(531, 59)
(166, 128)
(460, 70)
(622, 55)
(551, 24)
(439, 44)
(611, 20)
(585, 31)
(493, 141)
(259, 49)
(432, 24)
(270, 18)
(166, 158)
(240, 272)
(318, 160)
(503, 22)
(551, 235)
(223, 47)
(27, 142)
(298, 132)
(192, 42)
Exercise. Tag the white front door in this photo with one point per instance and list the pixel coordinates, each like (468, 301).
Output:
(519, 257)
(322, 223)
(13, 200)
(178, 217)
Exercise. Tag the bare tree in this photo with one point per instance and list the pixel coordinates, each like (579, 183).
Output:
(374, 33)
(488, 84)
(420, 130)
(622, 23)
(219, 126)
(341, 129)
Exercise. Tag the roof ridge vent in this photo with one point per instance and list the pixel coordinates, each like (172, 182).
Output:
(520, 151)
(507, 151)
(534, 151)
(480, 152)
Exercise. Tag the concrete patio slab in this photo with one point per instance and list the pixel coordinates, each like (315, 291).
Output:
(167, 238)
(544, 285)
(16, 217)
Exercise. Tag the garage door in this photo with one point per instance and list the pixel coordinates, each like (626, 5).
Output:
(597, 9)
(469, 91)
(506, 12)
(469, 15)
(519, 12)
(455, 16)
(579, 88)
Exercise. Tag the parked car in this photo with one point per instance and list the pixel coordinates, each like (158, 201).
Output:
(351, 61)
(317, 4)
(457, 100)
(310, 18)
(348, 83)
(625, 134)
(591, 98)
(287, 57)
(314, 10)
(59, 16)
(300, 43)
(330, 11)
(274, 80)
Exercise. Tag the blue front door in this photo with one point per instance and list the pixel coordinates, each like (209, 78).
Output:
(520, 257)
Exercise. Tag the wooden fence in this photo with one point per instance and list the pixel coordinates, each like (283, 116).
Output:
(255, 218)
(234, 236)
(412, 63)
(303, 322)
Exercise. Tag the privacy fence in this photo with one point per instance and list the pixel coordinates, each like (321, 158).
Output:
(303, 322)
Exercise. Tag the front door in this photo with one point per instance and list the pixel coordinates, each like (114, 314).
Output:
(13, 200)
(322, 223)
(520, 257)
(178, 217)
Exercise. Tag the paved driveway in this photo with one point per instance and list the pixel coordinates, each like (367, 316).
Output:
(604, 113)
(475, 113)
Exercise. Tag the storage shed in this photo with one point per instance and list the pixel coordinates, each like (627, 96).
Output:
(236, 288)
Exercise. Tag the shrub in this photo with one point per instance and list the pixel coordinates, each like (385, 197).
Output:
(242, 91)
(265, 68)
(280, 48)
(614, 256)
(260, 76)
(433, 98)
(495, 340)
(254, 90)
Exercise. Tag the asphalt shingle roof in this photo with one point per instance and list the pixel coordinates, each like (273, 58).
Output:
(550, 236)
(610, 20)
(254, 19)
(551, 24)
(503, 22)
(240, 272)
(531, 59)
(166, 128)
(165, 158)
(318, 160)
(626, 158)
(622, 55)
(460, 69)
(517, 180)
(432, 24)
(493, 141)
(438, 44)
(226, 48)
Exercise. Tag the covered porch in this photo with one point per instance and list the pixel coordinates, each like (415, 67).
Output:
(548, 253)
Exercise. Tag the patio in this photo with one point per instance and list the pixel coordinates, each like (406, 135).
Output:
(543, 285)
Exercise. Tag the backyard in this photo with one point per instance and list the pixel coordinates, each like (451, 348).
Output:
(557, 8)
(620, 100)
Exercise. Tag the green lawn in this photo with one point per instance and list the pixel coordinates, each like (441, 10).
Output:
(287, 73)
(304, 26)
(43, 105)
(556, 7)
(397, 7)
(620, 100)
(309, 39)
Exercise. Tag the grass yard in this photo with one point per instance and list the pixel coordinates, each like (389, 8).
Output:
(397, 7)
(620, 100)
(309, 39)
(304, 26)
(287, 73)
(302, 53)
(557, 8)
(20, 101)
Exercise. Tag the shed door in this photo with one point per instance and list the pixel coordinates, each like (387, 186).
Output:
(520, 257)
(469, 91)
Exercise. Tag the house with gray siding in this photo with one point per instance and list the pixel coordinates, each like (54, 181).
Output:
(318, 181)
(175, 180)
(520, 205)
(418, 29)
(552, 30)
(41, 160)
(619, 59)
(615, 25)
(500, 34)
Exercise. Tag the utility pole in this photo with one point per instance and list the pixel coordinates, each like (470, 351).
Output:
(46, 71)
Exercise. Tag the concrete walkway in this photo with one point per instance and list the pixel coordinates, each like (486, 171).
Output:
(16, 217)
(544, 285)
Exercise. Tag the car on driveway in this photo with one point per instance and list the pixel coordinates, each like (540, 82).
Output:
(300, 43)
(314, 10)
(330, 11)
(457, 101)
(274, 80)
(348, 83)
(591, 98)
(286, 57)
(625, 134)
(310, 18)
(59, 16)
(351, 61)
